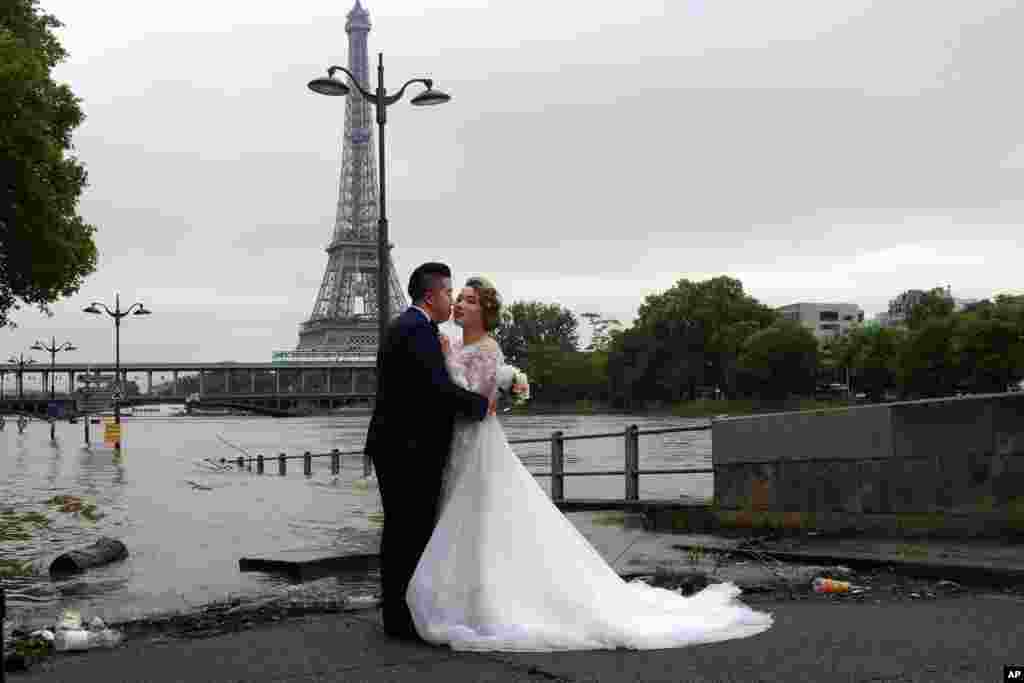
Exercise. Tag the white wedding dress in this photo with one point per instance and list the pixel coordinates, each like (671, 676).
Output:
(505, 570)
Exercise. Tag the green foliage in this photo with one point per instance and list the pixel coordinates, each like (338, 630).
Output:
(779, 360)
(558, 376)
(687, 336)
(927, 366)
(15, 526)
(935, 305)
(46, 249)
(530, 326)
(601, 334)
(871, 353)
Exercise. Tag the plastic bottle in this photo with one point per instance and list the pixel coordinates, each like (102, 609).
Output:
(72, 639)
(823, 585)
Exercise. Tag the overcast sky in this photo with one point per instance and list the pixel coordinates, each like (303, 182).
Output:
(593, 153)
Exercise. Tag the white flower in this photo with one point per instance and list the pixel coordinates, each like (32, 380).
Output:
(506, 376)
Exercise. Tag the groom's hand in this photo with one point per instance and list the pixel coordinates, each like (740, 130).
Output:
(492, 406)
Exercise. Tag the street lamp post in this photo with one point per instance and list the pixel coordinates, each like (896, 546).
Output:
(381, 101)
(21, 362)
(53, 350)
(117, 314)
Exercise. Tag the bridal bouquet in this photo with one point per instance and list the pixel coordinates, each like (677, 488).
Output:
(514, 381)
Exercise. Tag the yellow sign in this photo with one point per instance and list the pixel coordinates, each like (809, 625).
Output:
(111, 434)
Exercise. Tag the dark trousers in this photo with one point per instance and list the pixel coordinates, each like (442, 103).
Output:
(410, 495)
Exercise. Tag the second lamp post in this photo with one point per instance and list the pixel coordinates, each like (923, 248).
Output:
(53, 350)
(381, 101)
(117, 314)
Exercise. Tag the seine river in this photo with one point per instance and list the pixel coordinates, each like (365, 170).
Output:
(186, 523)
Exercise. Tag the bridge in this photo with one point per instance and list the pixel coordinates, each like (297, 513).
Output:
(283, 387)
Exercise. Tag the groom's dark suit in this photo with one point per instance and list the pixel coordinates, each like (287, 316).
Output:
(408, 440)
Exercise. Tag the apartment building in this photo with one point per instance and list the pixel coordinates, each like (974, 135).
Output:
(824, 320)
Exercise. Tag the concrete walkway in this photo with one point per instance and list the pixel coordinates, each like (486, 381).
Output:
(962, 639)
(893, 628)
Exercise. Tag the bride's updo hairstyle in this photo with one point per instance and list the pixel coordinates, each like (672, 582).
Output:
(490, 301)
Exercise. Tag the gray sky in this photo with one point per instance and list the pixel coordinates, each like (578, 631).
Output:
(592, 153)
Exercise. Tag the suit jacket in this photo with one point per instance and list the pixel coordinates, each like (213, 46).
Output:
(417, 402)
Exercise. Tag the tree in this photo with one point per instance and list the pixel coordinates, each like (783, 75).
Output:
(46, 249)
(935, 304)
(928, 363)
(530, 326)
(703, 326)
(989, 345)
(872, 354)
(779, 360)
(601, 329)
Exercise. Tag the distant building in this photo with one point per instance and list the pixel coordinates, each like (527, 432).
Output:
(883, 319)
(902, 305)
(965, 304)
(824, 320)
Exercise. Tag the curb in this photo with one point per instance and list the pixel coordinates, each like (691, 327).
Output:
(967, 574)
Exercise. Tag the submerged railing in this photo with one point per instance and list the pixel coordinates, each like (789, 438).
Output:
(631, 470)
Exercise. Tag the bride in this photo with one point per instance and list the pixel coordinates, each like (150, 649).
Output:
(505, 570)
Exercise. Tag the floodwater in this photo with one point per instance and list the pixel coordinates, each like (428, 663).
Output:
(186, 522)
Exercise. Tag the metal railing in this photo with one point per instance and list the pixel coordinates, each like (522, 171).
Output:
(631, 470)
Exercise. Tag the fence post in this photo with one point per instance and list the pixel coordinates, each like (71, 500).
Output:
(632, 463)
(307, 464)
(3, 618)
(557, 458)
(335, 461)
(259, 464)
(240, 462)
(281, 464)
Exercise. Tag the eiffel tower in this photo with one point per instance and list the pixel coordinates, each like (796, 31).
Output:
(344, 314)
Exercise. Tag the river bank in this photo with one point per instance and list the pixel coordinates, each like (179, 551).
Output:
(686, 563)
(701, 408)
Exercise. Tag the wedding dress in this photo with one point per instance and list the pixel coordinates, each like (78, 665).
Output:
(505, 570)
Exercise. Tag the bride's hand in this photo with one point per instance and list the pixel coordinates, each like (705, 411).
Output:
(446, 345)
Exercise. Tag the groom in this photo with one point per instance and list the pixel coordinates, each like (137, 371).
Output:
(410, 434)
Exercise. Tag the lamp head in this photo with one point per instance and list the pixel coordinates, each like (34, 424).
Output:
(91, 308)
(70, 347)
(328, 85)
(142, 310)
(36, 347)
(429, 97)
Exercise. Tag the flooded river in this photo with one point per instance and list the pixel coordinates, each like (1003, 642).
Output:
(186, 524)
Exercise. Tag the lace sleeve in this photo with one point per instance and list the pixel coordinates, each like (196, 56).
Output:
(480, 367)
(456, 367)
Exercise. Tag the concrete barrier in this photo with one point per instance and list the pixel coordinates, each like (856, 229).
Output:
(945, 467)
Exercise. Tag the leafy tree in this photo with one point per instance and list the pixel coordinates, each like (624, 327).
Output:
(935, 304)
(601, 328)
(700, 328)
(927, 361)
(558, 376)
(872, 354)
(46, 249)
(530, 326)
(630, 372)
(989, 345)
(779, 360)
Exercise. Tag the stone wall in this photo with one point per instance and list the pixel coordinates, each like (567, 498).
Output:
(937, 467)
